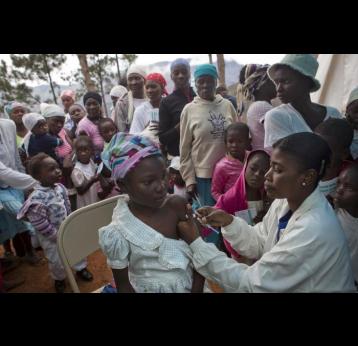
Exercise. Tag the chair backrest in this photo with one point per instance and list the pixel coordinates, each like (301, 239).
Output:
(78, 234)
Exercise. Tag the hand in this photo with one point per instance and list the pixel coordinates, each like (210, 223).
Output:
(67, 162)
(188, 231)
(191, 189)
(214, 217)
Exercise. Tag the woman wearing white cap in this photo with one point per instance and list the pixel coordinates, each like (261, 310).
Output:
(125, 107)
(117, 92)
(294, 78)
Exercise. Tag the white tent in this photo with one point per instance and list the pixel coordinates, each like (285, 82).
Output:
(338, 74)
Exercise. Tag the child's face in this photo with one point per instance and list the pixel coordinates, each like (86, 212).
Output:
(352, 114)
(256, 169)
(347, 191)
(147, 184)
(77, 114)
(237, 143)
(40, 128)
(285, 177)
(175, 176)
(93, 108)
(50, 172)
(107, 130)
(84, 152)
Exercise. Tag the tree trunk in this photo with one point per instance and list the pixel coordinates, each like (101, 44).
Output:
(118, 70)
(221, 68)
(101, 84)
(85, 71)
(49, 77)
(210, 58)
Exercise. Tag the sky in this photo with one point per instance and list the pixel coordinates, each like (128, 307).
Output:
(72, 64)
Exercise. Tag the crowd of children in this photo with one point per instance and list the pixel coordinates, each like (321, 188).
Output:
(173, 150)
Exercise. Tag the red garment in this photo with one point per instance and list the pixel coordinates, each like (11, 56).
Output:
(235, 199)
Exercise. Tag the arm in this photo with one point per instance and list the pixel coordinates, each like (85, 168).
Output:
(187, 169)
(16, 179)
(121, 279)
(167, 133)
(198, 283)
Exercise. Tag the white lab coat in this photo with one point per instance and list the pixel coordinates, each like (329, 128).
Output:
(311, 255)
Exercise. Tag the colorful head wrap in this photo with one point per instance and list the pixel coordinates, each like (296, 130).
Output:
(206, 69)
(125, 151)
(69, 93)
(178, 62)
(92, 95)
(31, 119)
(254, 82)
(157, 77)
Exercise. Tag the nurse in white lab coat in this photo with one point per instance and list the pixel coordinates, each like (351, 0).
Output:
(300, 245)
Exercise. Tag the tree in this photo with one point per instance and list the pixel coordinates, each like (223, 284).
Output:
(37, 67)
(12, 88)
(90, 86)
(221, 68)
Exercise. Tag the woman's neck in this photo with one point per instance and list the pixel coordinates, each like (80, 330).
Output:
(295, 202)
(155, 103)
(304, 105)
(252, 194)
(140, 210)
(138, 94)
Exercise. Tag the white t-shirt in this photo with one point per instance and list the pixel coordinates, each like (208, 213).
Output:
(138, 102)
(143, 115)
(350, 228)
(285, 120)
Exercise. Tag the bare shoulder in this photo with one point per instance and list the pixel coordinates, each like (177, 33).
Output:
(177, 204)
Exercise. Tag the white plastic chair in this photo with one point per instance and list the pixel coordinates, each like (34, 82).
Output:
(78, 234)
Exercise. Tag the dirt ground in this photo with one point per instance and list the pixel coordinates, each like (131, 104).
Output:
(38, 279)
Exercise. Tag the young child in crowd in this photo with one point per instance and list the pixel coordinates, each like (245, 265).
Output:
(40, 140)
(142, 243)
(84, 175)
(77, 113)
(176, 181)
(352, 117)
(228, 169)
(107, 129)
(346, 203)
(338, 135)
(247, 198)
(46, 208)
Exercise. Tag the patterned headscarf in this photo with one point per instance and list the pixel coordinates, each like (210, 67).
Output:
(125, 151)
(255, 82)
(157, 77)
